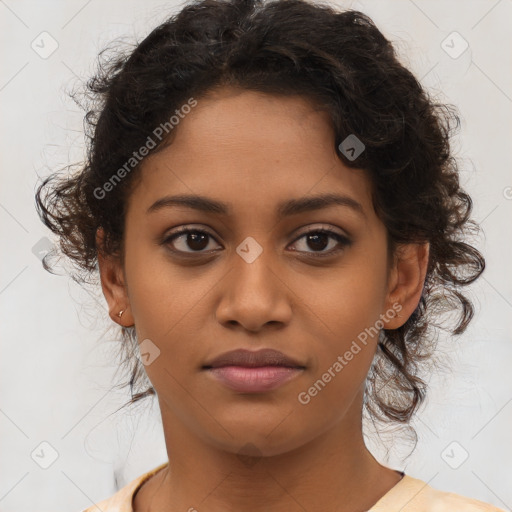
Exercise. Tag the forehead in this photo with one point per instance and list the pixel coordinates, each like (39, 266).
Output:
(253, 148)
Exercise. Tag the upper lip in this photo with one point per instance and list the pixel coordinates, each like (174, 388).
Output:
(251, 359)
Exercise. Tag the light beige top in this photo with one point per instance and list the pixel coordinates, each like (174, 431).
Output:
(408, 495)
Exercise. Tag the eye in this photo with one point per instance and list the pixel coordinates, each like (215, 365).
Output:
(195, 239)
(198, 240)
(318, 239)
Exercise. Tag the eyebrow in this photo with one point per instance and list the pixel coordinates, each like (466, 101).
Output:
(285, 209)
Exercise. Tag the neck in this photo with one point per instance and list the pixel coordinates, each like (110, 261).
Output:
(334, 471)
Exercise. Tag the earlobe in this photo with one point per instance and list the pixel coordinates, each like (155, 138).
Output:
(406, 283)
(112, 284)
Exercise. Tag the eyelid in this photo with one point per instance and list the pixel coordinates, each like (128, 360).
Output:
(322, 227)
(188, 228)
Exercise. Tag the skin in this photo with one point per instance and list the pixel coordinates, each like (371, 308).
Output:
(195, 307)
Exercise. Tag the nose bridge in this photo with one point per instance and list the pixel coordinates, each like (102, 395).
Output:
(253, 274)
(253, 294)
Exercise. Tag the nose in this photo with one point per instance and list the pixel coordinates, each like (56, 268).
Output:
(254, 295)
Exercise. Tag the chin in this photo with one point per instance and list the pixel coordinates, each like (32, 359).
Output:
(268, 440)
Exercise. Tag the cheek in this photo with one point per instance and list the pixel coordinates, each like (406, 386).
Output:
(349, 314)
(344, 308)
(156, 302)
(345, 347)
(168, 304)
(160, 293)
(346, 300)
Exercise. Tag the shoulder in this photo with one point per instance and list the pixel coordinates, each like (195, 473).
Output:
(449, 502)
(122, 500)
(414, 495)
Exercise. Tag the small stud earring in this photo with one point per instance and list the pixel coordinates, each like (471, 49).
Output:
(120, 314)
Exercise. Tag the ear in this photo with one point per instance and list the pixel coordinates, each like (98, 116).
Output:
(405, 283)
(113, 284)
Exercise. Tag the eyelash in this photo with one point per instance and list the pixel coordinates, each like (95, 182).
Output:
(341, 239)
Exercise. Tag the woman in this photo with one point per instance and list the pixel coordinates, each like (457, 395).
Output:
(273, 208)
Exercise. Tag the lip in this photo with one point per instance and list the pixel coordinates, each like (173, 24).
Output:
(253, 359)
(247, 371)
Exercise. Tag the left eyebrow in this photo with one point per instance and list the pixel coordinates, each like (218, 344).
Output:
(285, 209)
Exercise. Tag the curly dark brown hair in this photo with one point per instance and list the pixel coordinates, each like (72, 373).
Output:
(342, 63)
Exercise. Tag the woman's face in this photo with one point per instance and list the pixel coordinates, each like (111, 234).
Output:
(253, 280)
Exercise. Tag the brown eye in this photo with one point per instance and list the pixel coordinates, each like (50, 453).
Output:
(194, 239)
(320, 239)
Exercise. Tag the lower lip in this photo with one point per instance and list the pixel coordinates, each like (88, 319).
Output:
(254, 380)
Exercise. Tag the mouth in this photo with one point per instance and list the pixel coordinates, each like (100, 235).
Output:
(246, 371)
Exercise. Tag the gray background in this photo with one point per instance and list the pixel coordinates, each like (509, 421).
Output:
(57, 373)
